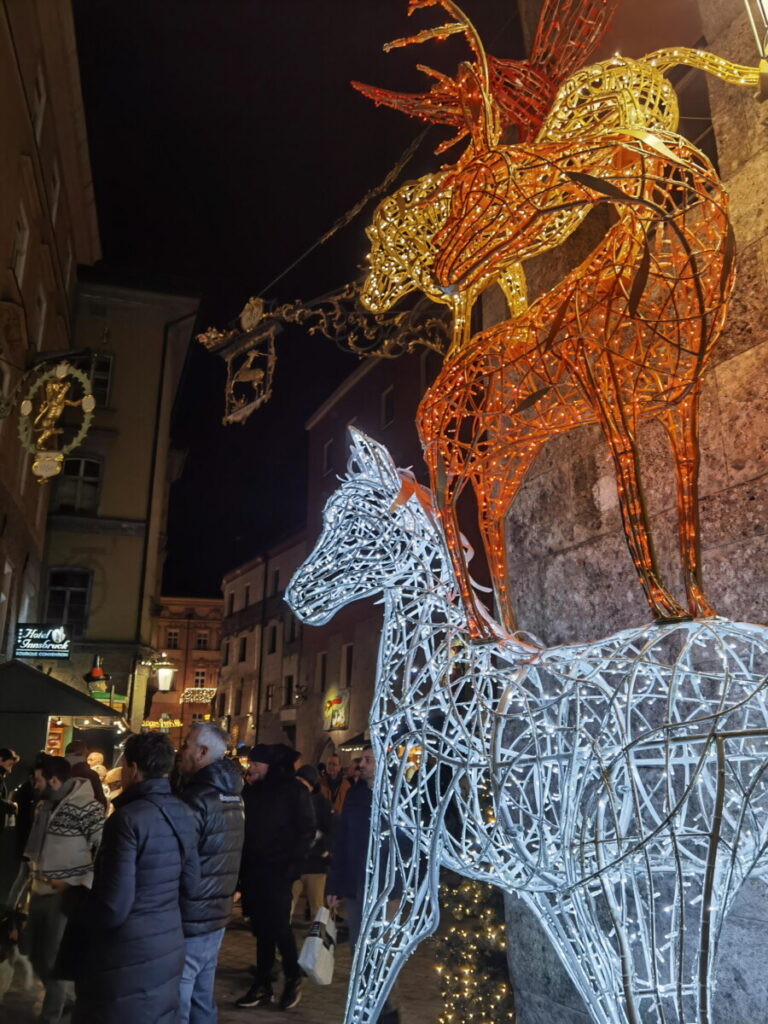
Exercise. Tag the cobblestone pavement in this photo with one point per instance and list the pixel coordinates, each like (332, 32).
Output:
(417, 992)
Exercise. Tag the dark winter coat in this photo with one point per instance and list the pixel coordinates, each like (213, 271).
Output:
(134, 952)
(346, 873)
(317, 859)
(279, 830)
(213, 796)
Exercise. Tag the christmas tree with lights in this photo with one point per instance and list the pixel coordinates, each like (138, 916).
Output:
(474, 977)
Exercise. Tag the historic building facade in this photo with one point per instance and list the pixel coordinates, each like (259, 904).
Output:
(312, 687)
(187, 633)
(106, 524)
(48, 226)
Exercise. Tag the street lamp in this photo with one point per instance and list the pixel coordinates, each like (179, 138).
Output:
(164, 670)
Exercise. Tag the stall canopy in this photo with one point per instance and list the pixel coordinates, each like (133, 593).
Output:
(353, 744)
(27, 690)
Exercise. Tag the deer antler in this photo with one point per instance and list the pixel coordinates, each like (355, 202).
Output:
(567, 34)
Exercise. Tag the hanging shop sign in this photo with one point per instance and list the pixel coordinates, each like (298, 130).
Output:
(38, 640)
(43, 431)
(336, 711)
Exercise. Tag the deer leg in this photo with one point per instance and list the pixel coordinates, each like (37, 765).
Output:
(494, 497)
(608, 405)
(681, 424)
(400, 906)
(477, 626)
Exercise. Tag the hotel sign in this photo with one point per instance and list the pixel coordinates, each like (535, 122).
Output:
(37, 640)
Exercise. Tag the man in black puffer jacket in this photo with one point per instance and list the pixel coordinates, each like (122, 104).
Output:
(212, 791)
(128, 947)
(279, 830)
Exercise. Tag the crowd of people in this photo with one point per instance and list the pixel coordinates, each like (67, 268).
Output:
(123, 880)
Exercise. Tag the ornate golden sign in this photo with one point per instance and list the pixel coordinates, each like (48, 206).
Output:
(41, 430)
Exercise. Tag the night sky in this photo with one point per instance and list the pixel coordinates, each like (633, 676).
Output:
(225, 139)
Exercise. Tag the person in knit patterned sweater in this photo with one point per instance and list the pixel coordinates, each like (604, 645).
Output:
(59, 856)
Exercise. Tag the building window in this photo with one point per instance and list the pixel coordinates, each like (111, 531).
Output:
(222, 704)
(78, 487)
(328, 457)
(101, 378)
(199, 677)
(275, 581)
(321, 670)
(346, 664)
(238, 708)
(387, 406)
(172, 639)
(202, 639)
(242, 649)
(20, 244)
(287, 691)
(269, 698)
(67, 605)
(230, 602)
(55, 190)
(225, 653)
(272, 640)
(41, 308)
(246, 595)
(290, 629)
(38, 101)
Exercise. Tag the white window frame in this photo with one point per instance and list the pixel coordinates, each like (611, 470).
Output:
(200, 676)
(70, 568)
(205, 635)
(172, 631)
(81, 478)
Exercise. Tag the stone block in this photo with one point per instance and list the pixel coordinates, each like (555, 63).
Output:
(717, 16)
(738, 118)
(735, 575)
(742, 387)
(748, 307)
(749, 199)
(540, 520)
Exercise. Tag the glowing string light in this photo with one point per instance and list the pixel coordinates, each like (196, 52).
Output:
(625, 778)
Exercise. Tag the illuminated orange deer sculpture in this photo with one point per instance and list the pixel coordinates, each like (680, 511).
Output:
(625, 337)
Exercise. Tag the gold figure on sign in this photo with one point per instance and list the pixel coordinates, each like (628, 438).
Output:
(40, 426)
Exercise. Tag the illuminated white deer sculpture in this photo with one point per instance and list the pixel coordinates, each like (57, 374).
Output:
(618, 786)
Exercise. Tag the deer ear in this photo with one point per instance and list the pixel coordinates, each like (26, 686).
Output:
(371, 459)
(478, 108)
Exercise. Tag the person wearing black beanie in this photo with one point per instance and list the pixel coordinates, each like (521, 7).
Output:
(279, 831)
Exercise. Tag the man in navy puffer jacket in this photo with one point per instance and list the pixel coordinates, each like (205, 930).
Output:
(129, 961)
(212, 792)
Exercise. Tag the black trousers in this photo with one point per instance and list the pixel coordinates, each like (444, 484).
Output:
(268, 904)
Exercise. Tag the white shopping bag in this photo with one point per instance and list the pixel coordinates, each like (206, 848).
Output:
(316, 956)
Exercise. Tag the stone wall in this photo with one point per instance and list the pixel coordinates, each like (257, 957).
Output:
(571, 572)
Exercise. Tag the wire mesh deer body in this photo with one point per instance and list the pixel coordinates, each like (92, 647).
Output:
(624, 338)
(619, 787)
